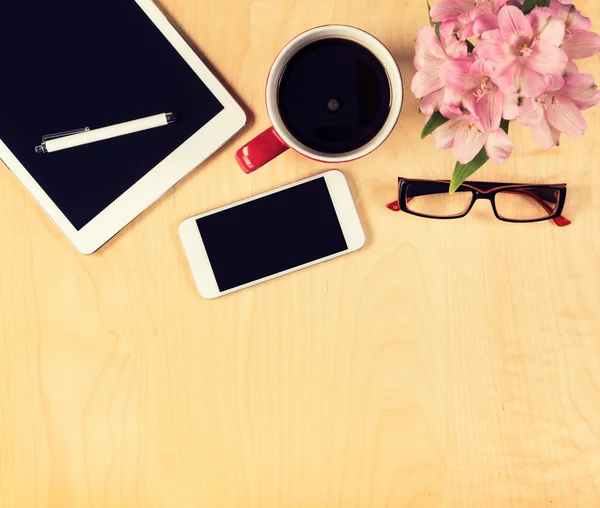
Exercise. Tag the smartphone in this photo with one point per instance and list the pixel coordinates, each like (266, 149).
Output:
(272, 234)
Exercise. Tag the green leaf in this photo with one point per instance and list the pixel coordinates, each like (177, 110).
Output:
(464, 171)
(436, 25)
(529, 5)
(470, 46)
(436, 120)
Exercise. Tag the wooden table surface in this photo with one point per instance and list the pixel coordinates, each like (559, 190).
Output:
(448, 364)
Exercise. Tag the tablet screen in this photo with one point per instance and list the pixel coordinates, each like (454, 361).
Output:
(72, 64)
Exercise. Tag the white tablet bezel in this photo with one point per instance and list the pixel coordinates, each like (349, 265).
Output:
(345, 209)
(160, 179)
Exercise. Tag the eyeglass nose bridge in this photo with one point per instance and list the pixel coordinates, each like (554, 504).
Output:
(477, 194)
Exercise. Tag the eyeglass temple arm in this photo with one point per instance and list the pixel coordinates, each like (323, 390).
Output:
(394, 206)
(560, 221)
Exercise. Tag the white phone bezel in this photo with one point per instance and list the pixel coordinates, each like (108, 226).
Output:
(165, 175)
(197, 256)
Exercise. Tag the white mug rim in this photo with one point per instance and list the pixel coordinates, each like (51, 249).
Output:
(325, 32)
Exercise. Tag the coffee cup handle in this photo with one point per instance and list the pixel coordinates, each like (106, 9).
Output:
(262, 149)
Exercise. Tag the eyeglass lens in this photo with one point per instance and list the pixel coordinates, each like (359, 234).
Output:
(527, 204)
(434, 200)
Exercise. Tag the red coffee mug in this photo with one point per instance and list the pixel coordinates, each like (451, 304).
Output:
(277, 139)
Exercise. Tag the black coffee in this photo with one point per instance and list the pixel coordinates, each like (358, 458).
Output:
(334, 96)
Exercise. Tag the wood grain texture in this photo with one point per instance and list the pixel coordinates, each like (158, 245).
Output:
(448, 364)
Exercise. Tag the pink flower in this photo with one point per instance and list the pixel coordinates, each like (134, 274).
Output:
(469, 85)
(465, 134)
(523, 67)
(459, 16)
(579, 41)
(431, 55)
(524, 50)
(559, 110)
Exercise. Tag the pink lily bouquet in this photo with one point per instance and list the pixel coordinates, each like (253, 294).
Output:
(484, 63)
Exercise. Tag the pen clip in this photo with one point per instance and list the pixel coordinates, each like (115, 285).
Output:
(58, 135)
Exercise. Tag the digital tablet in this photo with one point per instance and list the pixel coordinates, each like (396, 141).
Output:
(72, 64)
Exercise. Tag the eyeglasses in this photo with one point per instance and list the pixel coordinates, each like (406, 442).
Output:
(519, 203)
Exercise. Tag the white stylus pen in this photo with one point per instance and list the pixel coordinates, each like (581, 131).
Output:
(71, 139)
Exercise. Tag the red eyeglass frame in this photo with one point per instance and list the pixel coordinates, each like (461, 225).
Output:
(487, 190)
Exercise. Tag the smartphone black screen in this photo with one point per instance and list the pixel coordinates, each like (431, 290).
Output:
(272, 234)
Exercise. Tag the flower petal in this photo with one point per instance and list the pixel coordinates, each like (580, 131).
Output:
(467, 18)
(448, 29)
(482, 68)
(488, 109)
(581, 44)
(426, 81)
(453, 97)
(571, 68)
(499, 146)
(498, 4)
(492, 36)
(577, 21)
(582, 90)
(554, 81)
(515, 78)
(468, 143)
(510, 108)
(579, 81)
(451, 111)
(432, 102)
(554, 32)
(455, 49)
(446, 10)
(445, 134)
(565, 116)
(531, 113)
(484, 23)
(428, 48)
(493, 48)
(455, 74)
(546, 27)
(546, 58)
(570, 16)
(513, 24)
(545, 135)
(531, 83)
(505, 77)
